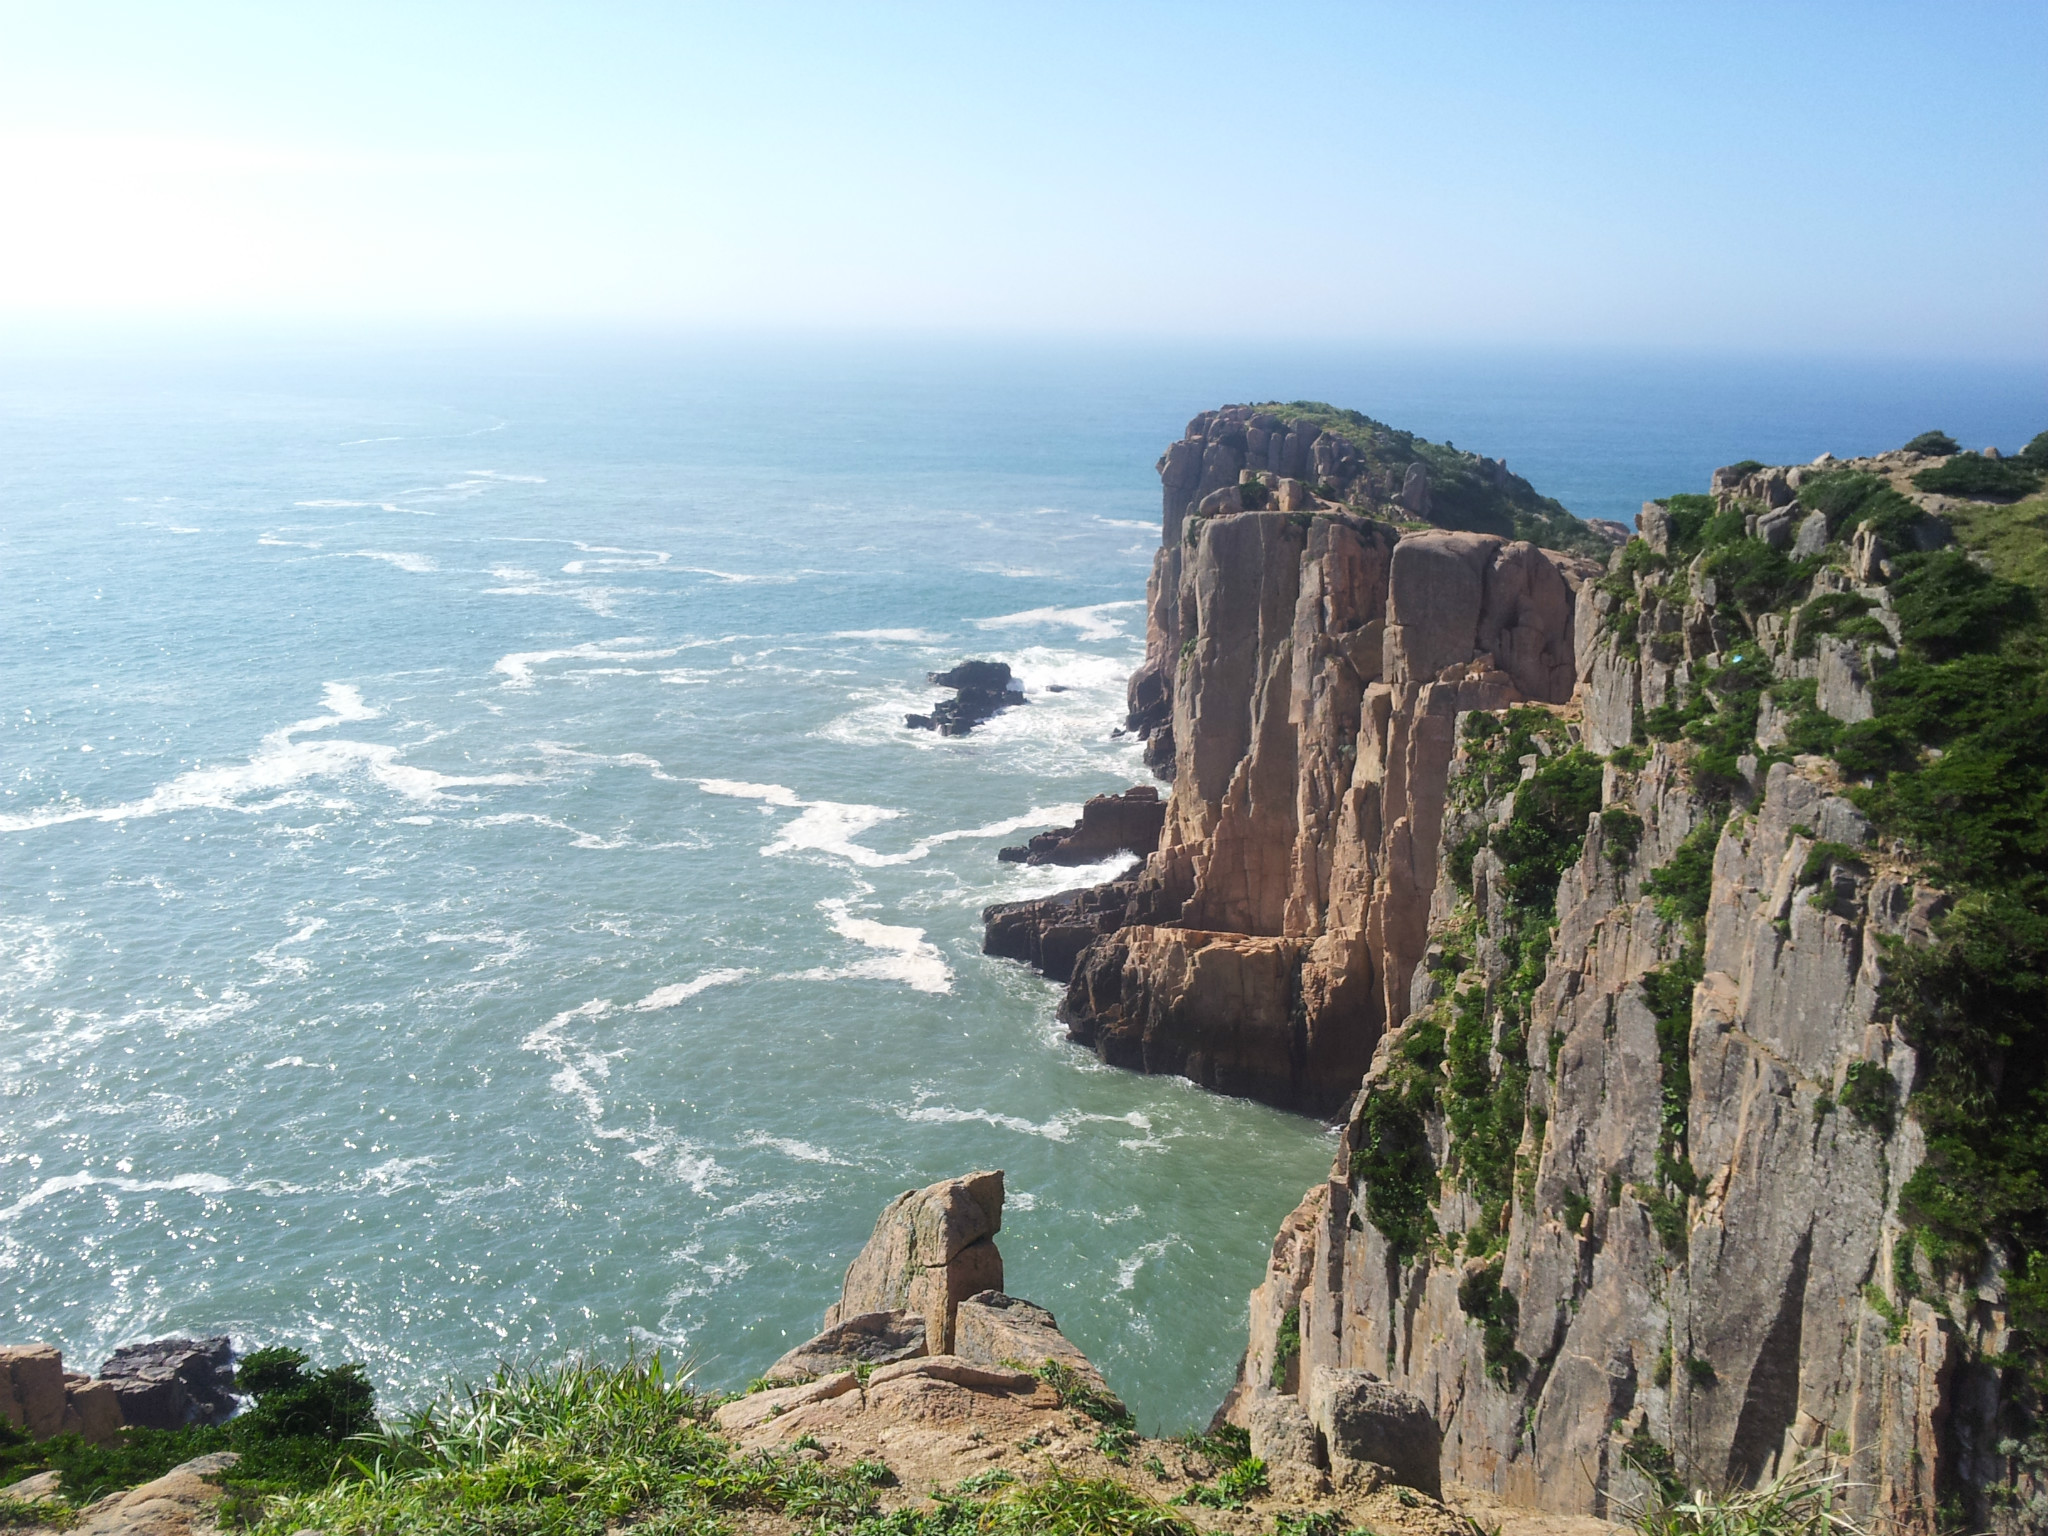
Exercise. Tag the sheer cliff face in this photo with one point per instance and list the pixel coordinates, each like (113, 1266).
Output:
(1304, 672)
(1694, 1116)
(1619, 1197)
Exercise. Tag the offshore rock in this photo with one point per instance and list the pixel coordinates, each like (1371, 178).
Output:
(1110, 824)
(982, 689)
(931, 1249)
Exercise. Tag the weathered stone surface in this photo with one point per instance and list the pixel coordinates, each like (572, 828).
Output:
(182, 1500)
(873, 1338)
(1283, 1437)
(1110, 824)
(997, 1330)
(32, 1389)
(744, 1413)
(1359, 1418)
(931, 1249)
(1812, 537)
(174, 1383)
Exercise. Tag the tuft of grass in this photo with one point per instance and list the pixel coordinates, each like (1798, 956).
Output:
(1805, 1501)
(1060, 1505)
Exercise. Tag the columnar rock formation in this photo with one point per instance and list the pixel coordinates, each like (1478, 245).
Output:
(1619, 1200)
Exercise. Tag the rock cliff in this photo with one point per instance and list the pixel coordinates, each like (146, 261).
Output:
(1684, 1140)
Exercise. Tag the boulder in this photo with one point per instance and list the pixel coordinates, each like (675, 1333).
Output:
(1225, 501)
(744, 1413)
(993, 1329)
(932, 1248)
(1361, 1420)
(92, 1410)
(1415, 489)
(1812, 537)
(174, 1383)
(873, 1338)
(1293, 496)
(1284, 1438)
(1775, 528)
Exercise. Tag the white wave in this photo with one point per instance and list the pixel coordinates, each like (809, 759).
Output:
(1020, 1200)
(1088, 621)
(801, 1151)
(1125, 522)
(277, 543)
(396, 1174)
(518, 666)
(1127, 1271)
(191, 1183)
(902, 636)
(615, 559)
(778, 578)
(418, 565)
(774, 794)
(829, 826)
(1058, 1128)
(683, 991)
(280, 765)
(296, 1061)
(599, 600)
(905, 955)
(332, 501)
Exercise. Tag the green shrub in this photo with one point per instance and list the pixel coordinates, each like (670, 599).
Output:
(1934, 445)
(1493, 1307)
(1744, 468)
(1981, 479)
(1287, 1347)
(1949, 606)
(2036, 451)
(1621, 833)
(1871, 1094)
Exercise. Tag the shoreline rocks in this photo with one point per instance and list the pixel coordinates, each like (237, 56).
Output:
(1110, 824)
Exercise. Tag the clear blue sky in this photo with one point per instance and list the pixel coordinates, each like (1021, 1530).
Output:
(1769, 177)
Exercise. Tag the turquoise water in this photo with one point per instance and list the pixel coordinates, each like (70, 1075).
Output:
(466, 893)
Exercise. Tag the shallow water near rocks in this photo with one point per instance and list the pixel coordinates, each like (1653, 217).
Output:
(467, 890)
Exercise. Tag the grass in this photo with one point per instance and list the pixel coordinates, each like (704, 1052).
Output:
(1805, 1501)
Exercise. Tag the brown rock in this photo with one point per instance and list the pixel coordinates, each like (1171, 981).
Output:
(32, 1389)
(1110, 824)
(1360, 1419)
(873, 1338)
(931, 1249)
(993, 1329)
(180, 1501)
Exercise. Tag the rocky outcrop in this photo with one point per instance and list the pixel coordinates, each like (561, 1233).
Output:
(981, 690)
(998, 1330)
(1049, 934)
(1318, 664)
(42, 1399)
(932, 1248)
(1109, 825)
(174, 1383)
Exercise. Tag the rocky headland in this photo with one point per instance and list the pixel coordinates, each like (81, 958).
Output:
(1653, 917)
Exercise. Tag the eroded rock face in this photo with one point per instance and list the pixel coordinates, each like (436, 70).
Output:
(1004, 1331)
(981, 690)
(931, 1249)
(1311, 705)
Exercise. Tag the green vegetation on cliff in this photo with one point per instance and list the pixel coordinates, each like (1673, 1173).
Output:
(1463, 493)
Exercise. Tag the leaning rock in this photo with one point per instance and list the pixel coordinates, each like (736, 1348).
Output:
(1362, 1420)
(755, 1408)
(931, 1249)
(873, 1338)
(1813, 536)
(174, 1383)
(993, 1329)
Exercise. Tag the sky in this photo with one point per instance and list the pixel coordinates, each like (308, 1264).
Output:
(1784, 177)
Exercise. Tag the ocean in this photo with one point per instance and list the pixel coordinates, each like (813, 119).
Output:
(466, 890)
